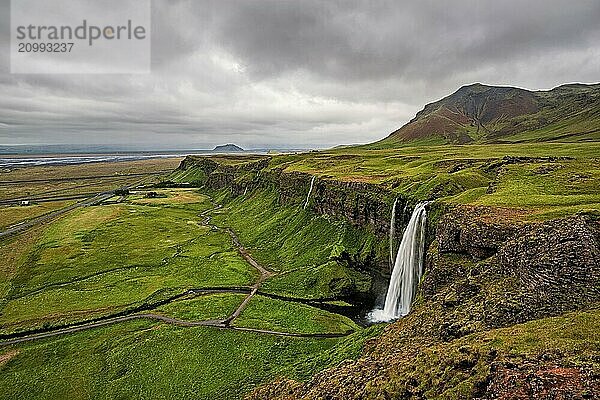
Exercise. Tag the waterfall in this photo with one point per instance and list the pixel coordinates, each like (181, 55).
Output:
(392, 232)
(312, 183)
(408, 269)
(245, 191)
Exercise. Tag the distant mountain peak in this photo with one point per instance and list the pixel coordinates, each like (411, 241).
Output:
(473, 86)
(483, 113)
(228, 148)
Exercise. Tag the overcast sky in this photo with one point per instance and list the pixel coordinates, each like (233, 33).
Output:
(301, 73)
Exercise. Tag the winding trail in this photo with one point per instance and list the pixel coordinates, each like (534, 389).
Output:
(264, 273)
(173, 321)
(224, 324)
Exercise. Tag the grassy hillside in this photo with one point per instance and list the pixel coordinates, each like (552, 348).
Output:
(310, 252)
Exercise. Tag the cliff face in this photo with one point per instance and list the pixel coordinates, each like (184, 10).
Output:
(557, 264)
(525, 273)
(365, 205)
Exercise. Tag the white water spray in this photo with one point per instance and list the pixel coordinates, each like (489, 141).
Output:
(245, 191)
(408, 269)
(392, 233)
(312, 183)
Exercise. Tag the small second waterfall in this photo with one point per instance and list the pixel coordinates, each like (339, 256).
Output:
(392, 232)
(408, 269)
(312, 183)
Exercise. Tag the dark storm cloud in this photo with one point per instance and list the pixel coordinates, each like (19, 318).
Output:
(381, 39)
(303, 72)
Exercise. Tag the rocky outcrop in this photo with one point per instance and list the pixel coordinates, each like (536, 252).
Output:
(469, 230)
(362, 204)
(488, 275)
(557, 264)
(545, 382)
(205, 164)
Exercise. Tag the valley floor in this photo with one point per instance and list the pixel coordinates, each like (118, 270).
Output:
(143, 295)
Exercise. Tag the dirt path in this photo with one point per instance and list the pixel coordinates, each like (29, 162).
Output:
(137, 314)
(264, 273)
(169, 320)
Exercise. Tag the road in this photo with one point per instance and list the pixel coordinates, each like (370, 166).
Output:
(48, 198)
(80, 178)
(46, 217)
(94, 199)
(51, 195)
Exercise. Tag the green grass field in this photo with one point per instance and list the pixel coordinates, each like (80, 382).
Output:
(213, 306)
(285, 316)
(111, 258)
(146, 360)
(103, 259)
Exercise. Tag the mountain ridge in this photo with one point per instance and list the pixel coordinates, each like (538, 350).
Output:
(228, 148)
(479, 113)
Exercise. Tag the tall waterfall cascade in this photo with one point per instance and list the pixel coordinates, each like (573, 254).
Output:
(312, 184)
(393, 232)
(408, 269)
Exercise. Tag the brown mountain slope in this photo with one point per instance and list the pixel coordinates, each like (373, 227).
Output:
(480, 113)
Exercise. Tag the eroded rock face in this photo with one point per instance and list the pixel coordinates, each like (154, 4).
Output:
(532, 271)
(466, 230)
(557, 262)
(362, 204)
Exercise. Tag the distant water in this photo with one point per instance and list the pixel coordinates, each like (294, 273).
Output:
(19, 156)
(14, 162)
